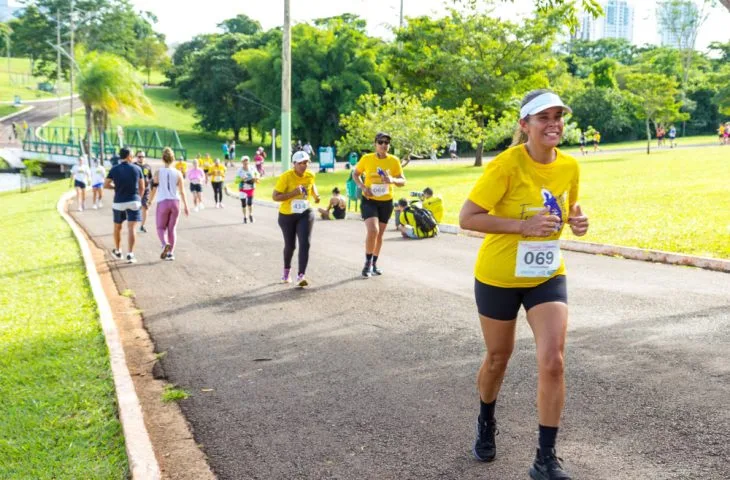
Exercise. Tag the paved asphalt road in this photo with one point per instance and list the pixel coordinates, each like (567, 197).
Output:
(42, 112)
(355, 379)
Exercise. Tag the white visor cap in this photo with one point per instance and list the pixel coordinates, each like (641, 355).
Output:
(300, 156)
(543, 102)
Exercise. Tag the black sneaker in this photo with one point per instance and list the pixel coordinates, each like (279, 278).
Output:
(117, 254)
(367, 271)
(245, 220)
(485, 448)
(377, 271)
(142, 229)
(548, 467)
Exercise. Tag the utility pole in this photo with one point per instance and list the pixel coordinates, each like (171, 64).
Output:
(58, 60)
(71, 71)
(285, 92)
(401, 14)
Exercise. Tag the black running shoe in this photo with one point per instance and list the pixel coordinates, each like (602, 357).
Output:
(548, 467)
(376, 270)
(485, 448)
(367, 271)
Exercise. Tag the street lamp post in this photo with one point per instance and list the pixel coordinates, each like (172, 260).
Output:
(71, 70)
(286, 91)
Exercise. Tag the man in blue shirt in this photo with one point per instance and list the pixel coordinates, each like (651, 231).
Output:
(128, 183)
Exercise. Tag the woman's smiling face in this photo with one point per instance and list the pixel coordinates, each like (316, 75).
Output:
(546, 127)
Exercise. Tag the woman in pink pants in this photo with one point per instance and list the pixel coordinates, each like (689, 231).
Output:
(167, 188)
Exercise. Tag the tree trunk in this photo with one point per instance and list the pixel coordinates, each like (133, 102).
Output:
(406, 159)
(480, 147)
(236, 134)
(478, 155)
(250, 133)
(648, 138)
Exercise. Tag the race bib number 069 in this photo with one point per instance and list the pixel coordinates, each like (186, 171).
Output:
(380, 189)
(537, 259)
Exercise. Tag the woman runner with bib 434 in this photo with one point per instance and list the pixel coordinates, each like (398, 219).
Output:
(295, 189)
(523, 200)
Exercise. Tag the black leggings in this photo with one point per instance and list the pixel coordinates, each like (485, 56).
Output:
(218, 191)
(293, 226)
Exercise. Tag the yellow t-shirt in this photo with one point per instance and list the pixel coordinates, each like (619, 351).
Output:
(368, 165)
(513, 185)
(217, 173)
(182, 166)
(436, 205)
(597, 137)
(287, 182)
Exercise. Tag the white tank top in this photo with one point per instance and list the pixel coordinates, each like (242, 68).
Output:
(167, 184)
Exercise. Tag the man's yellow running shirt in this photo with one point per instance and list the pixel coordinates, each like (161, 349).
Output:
(217, 173)
(368, 166)
(513, 185)
(182, 166)
(287, 182)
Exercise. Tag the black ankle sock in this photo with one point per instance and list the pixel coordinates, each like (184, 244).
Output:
(375, 260)
(369, 258)
(547, 439)
(486, 411)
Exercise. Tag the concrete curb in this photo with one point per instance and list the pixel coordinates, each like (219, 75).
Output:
(6, 117)
(630, 253)
(142, 462)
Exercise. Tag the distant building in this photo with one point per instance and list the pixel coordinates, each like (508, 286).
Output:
(673, 32)
(6, 11)
(618, 22)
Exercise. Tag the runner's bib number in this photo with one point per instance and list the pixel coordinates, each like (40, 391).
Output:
(242, 195)
(217, 178)
(380, 189)
(537, 259)
(299, 206)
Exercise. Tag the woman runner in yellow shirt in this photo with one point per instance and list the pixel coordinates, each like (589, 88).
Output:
(217, 174)
(523, 200)
(294, 189)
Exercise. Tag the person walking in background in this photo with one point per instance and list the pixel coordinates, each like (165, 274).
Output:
(672, 136)
(197, 176)
(336, 208)
(583, 143)
(452, 149)
(596, 141)
(147, 175)
(381, 171)
(168, 190)
(98, 174)
(247, 178)
(295, 189)
(726, 134)
(522, 202)
(126, 180)
(217, 175)
(182, 166)
(82, 178)
(660, 136)
(232, 152)
(226, 149)
(258, 160)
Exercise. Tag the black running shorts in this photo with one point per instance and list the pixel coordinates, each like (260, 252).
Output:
(382, 209)
(503, 303)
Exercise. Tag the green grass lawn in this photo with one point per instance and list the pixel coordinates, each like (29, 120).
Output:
(168, 115)
(8, 109)
(16, 79)
(58, 415)
(673, 200)
(682, 141)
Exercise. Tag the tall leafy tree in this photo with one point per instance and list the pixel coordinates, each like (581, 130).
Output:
(210, 85)
(151, 53)
(107, 85)
(490, 62)
(655, 97)
(240, 24)
(333, 64)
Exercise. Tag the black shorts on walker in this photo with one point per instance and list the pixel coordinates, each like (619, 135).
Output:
(382, 209)
(503, 303)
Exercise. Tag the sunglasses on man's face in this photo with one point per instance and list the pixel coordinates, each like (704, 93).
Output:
(383, 142)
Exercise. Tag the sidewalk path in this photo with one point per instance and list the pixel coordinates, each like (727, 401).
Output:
(375, 378)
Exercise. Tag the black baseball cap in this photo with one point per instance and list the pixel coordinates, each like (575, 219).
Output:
(380, 135)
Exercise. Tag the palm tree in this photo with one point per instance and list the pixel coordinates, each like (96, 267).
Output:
(107, 85)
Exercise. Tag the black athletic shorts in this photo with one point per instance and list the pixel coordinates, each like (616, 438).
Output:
(79, 184)
(196, 187)
(382, 209)
(504, 303)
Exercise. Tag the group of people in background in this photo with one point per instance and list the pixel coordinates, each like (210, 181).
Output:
(662, 134)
